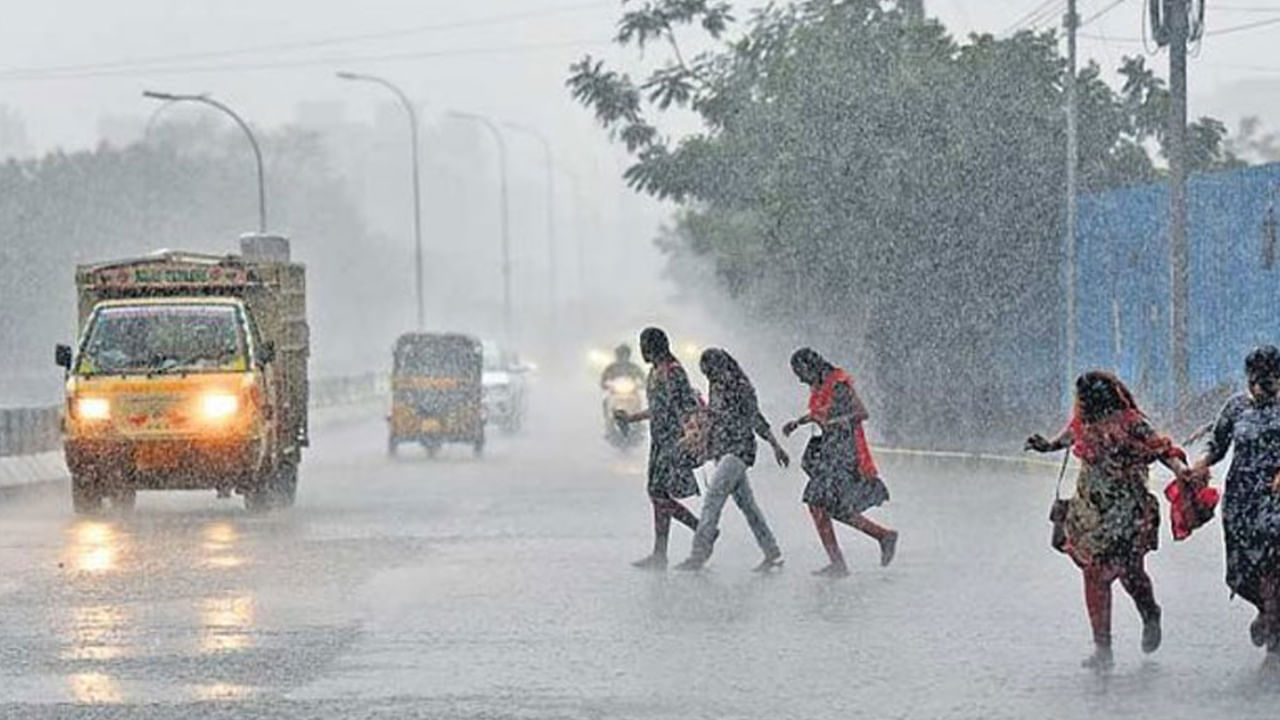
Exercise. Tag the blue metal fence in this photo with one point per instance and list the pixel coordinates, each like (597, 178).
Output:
(1122, 284)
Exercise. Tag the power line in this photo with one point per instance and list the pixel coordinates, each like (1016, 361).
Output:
(496, 19)
(1102, 12)
(1035, 15)
(1246, 26)
(321, 61)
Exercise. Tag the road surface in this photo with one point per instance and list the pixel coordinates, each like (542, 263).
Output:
(501, 588)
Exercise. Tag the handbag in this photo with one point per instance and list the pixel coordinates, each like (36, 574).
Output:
(1058, 511)
(693, 449)
(811, 460)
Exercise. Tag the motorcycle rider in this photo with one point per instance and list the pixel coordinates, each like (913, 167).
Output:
(622, 367)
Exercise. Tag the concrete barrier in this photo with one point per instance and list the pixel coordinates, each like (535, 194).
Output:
(25, 431)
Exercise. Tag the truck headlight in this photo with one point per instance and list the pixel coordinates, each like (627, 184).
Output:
(92, 408)
(218, 406)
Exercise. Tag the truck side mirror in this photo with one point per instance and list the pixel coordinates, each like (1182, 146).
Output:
(62, 356)
(267, 353)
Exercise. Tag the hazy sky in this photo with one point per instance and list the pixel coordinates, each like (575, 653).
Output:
(456, 55)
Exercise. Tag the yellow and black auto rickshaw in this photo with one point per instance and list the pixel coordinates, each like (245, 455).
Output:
(436, 391)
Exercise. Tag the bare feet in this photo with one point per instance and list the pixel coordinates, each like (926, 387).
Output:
(652, 562)
(834, 570)
(693, 564)
(1100, 661)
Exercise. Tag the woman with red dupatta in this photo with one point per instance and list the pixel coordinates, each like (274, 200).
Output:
(1112, 521)
(843, 479)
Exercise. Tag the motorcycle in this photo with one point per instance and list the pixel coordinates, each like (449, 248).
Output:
(622, 394)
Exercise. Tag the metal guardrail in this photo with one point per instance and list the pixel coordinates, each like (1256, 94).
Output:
(29, 430)
(24, 431)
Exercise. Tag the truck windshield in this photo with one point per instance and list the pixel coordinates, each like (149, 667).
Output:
(164, 338)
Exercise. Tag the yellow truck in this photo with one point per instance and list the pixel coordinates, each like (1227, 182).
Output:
(190, 374)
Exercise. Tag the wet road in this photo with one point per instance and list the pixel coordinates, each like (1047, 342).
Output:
(501, 588)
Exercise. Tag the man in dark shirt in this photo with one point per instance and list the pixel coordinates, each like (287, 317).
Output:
(732, 422)
(621, 367)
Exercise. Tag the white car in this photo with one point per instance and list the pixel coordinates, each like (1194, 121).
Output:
(504, 388)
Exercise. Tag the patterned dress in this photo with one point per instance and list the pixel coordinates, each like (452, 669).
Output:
(1251, 509)
(1113, 519)
(842, 478)
(671, 401)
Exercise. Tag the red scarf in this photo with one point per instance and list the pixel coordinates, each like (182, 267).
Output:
(820, 409)
(1114, 436)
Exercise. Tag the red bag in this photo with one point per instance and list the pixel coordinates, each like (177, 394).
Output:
(1191, 505)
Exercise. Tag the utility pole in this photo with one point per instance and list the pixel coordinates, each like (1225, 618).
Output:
(1178, 35)
(417, 194)
(170, 98)
(1071, 22)
(504, 209)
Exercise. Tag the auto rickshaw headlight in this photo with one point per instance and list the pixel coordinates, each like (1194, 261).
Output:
(93, 408)
(218, 406)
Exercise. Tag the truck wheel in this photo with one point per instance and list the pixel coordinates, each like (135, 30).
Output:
(286, 485)
(477, 449)
(124, 499)
(86, 499)
(392, 446)
(257, 501)
(432, 447)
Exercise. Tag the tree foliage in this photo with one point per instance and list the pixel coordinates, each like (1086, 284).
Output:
(890, 190)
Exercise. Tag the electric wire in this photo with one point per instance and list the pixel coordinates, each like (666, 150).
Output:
(495, 19)
(584, 43)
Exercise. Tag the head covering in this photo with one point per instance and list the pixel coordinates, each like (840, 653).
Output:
(1100, 394)
(809, 366)
(720, 367)
(1108, 423)
(654, 345)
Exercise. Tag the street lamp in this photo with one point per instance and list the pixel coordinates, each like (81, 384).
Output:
(257, 152)
(417, 203)
(551, 213)
(504, 199)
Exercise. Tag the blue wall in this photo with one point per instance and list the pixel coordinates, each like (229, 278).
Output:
(1122, 283)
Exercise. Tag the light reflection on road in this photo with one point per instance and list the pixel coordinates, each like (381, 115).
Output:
(220, 691)
(95, 547)
(94, 688)
(226, 624)
(220, 541)
(95, 633)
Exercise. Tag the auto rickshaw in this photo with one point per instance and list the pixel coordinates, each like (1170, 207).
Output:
(436, 392)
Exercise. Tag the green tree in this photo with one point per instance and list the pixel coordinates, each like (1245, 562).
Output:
(886, 189)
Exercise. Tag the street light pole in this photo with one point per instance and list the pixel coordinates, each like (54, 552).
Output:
(552, 270)
(1072, 23)
(505, 203)
(253, 142)
(417, 201)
